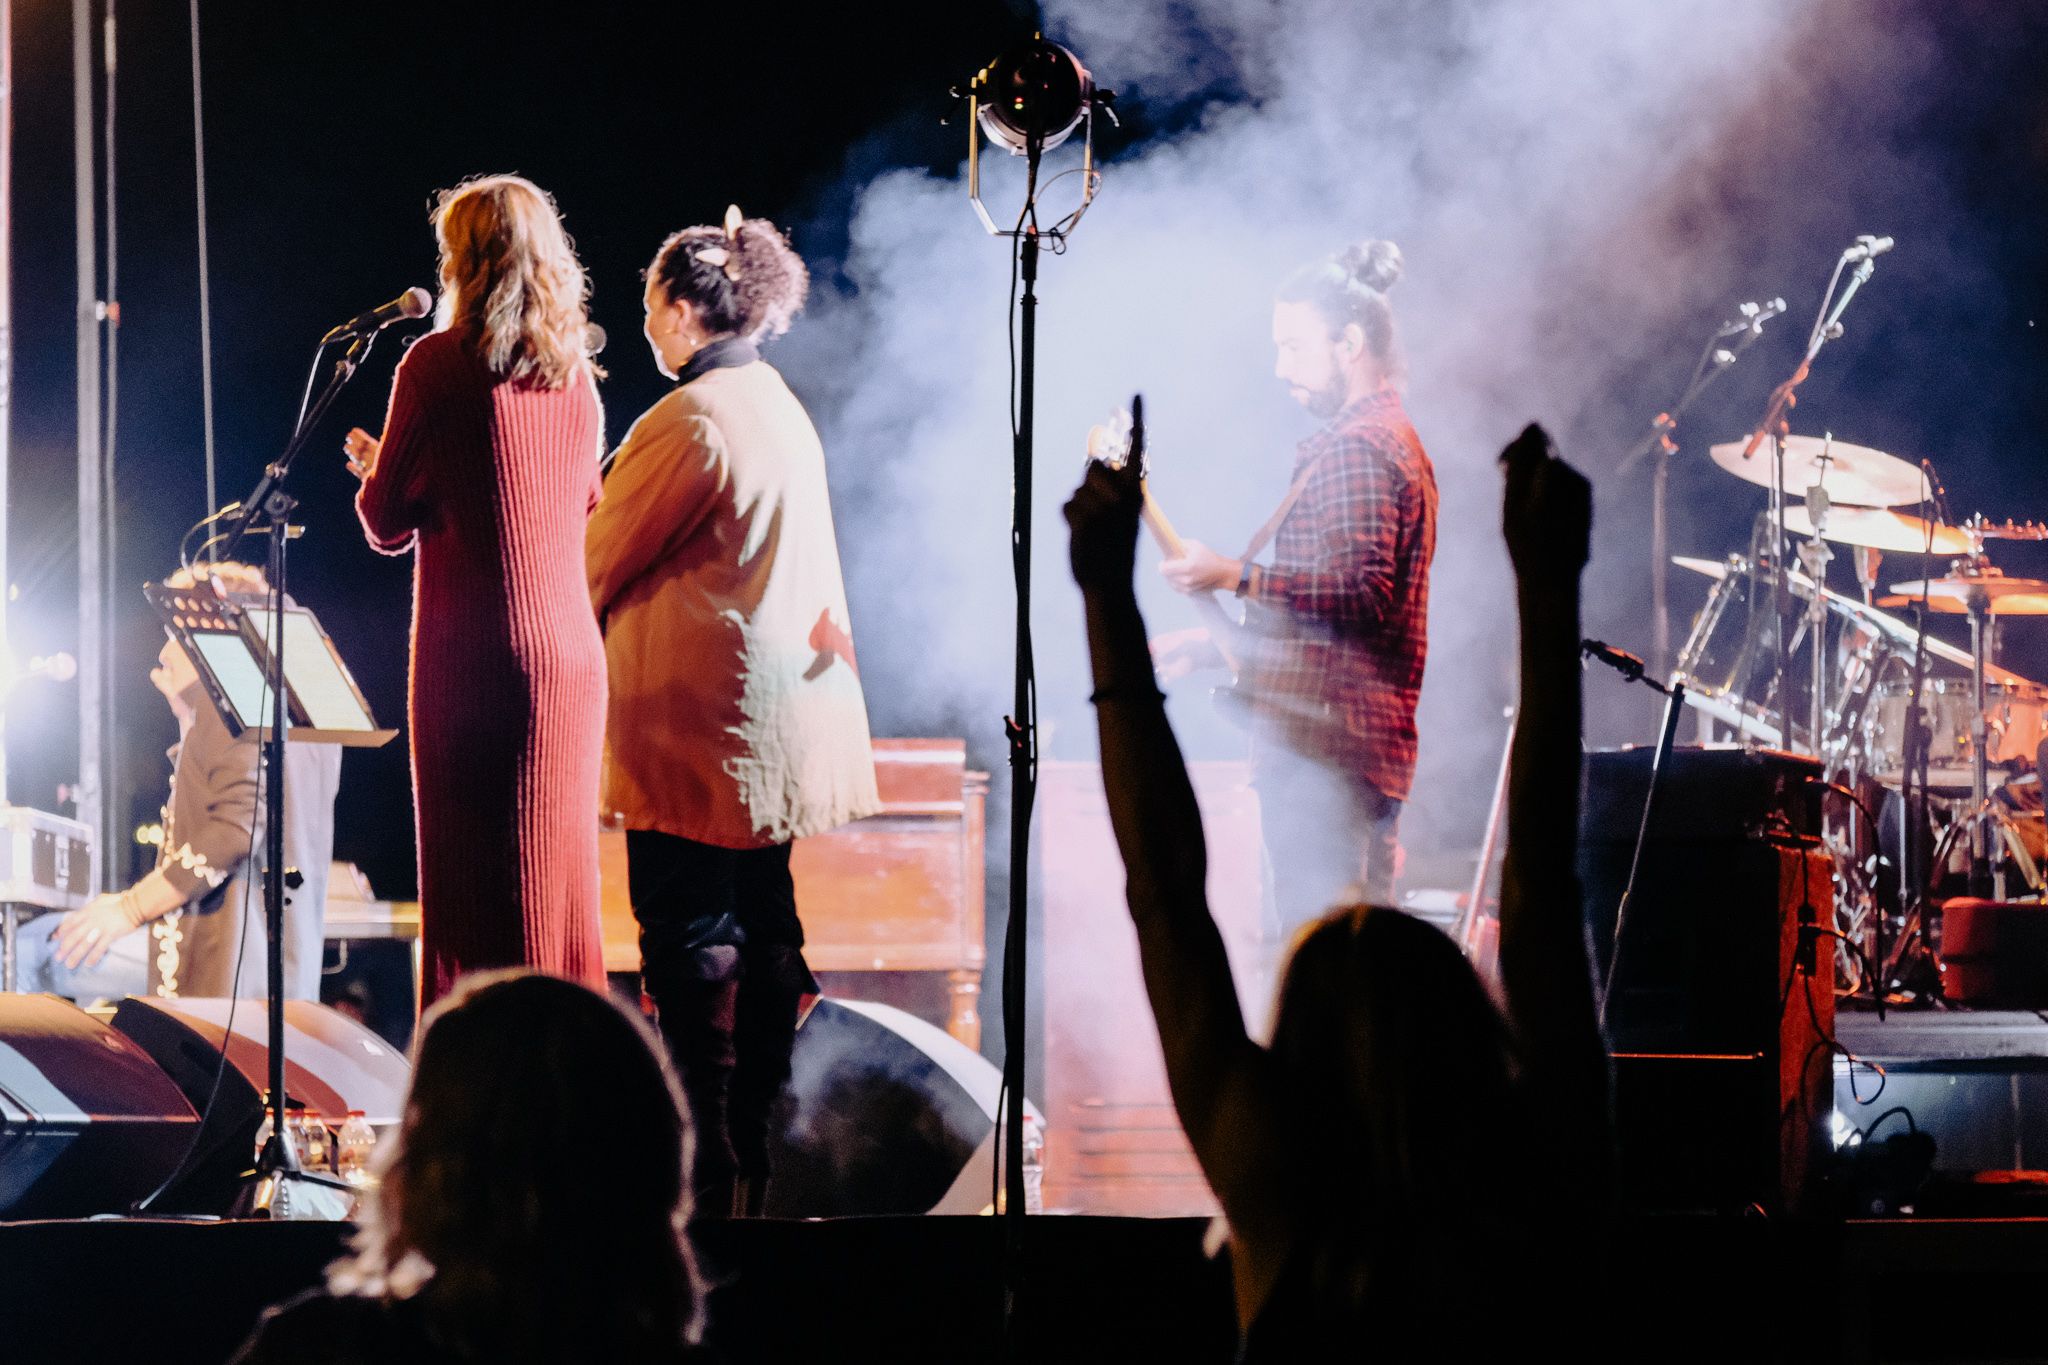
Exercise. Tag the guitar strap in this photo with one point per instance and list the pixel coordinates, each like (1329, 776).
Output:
(1266, 533)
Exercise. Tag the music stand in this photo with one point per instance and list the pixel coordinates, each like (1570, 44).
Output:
(227, 636)
(242, 644)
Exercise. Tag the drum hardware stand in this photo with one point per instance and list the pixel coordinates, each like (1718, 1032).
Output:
(1815, 555)
(1714, 360)
(1984, 878)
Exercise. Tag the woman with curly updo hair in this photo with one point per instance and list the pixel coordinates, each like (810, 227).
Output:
(488, 469)
(737, 722)
(533, 1202)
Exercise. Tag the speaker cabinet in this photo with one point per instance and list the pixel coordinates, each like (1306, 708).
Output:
(88, 1122)
(332, 1065)
(885, 1114)
(1721, 1008)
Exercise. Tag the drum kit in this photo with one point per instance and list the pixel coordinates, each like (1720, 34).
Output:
(1939, 739)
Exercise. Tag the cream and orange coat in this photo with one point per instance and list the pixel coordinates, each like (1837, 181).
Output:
(736, 714)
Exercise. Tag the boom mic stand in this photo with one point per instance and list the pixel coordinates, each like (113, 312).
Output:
(267, 511)
(1776, 427)
(1715, 359)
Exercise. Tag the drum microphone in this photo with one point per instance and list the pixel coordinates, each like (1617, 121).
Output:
(413, 303)
(1868, 248)
(1620, 660)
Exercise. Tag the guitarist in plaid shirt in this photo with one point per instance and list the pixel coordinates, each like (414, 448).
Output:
(1337, 621)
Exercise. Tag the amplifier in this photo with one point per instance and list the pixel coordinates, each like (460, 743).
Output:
(45, 860)
(1706, 793)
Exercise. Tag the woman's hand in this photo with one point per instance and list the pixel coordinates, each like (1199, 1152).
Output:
(1547, 512)
(362, 449)
(1103, 518)
(84, 935)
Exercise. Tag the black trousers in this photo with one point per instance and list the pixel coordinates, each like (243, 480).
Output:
(721, 950)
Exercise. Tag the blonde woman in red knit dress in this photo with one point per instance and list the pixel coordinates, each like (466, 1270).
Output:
(487, 468)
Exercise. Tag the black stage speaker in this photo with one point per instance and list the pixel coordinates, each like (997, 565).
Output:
(332, 1065)
(88, 1122)
(886, 1114)
(1723, 1001)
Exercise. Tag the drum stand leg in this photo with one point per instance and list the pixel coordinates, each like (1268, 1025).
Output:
(1984, 879)
(1815, 555)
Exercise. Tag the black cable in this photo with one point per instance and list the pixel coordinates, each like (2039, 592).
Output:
(1863, 1133)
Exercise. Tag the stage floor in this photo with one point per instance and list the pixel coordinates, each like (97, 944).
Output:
(1111, 1289)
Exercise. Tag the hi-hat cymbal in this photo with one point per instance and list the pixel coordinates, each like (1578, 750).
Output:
(1880, 529)
(2002, 596)
(1850, 473)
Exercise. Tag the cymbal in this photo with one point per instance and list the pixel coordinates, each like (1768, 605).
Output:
(2003, 596)
(1850, 473)
(1900, 632)
(1880, 529)
(2023, 604)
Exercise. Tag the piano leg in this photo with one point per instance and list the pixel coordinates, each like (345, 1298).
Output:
(964, 1020)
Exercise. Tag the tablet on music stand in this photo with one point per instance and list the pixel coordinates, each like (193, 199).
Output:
(227, 636)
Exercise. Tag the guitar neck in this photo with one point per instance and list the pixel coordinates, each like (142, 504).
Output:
(1223, 631)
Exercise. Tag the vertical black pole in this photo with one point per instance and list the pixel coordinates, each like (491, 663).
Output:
(1023, 790)
(280, 1157)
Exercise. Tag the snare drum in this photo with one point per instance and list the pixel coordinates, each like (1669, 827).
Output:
(2014, 714)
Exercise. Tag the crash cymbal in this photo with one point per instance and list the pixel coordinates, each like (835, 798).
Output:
(1880, 529)
(1850, 473)
(2003, 596)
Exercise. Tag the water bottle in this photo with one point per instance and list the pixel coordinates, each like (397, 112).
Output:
(263, 1136)
(318, 1152)
(352, 1148)
(1034, 1166)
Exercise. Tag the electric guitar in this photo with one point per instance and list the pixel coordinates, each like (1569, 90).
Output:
(1116, 443)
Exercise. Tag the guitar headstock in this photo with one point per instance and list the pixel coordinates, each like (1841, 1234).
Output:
(1121, 439)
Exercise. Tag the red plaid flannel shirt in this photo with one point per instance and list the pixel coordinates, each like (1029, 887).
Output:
(1341, 615)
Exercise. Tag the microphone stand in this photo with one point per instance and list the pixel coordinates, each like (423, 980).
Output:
(1632, 669)
(1714, 360)
(267, 511)
(1776, 427)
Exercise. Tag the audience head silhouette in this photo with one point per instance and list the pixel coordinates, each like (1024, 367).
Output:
(536, 1195)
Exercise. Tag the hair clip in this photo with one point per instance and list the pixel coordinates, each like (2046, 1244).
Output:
(727, 257)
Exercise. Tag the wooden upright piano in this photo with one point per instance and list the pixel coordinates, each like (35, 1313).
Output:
(900, 891)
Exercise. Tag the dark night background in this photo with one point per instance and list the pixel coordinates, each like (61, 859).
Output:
(328, 128)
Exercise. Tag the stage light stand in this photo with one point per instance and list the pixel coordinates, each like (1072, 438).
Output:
(1030, 99)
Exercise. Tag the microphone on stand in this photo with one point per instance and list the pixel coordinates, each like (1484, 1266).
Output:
(413, 303)
(1620, 660)
(1868, 248)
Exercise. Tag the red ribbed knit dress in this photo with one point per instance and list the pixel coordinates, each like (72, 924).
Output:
(492, 483)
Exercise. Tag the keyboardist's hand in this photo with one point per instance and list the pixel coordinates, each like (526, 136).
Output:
(84, 935)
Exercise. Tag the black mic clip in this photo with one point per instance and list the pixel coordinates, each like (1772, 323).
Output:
(1630, 666)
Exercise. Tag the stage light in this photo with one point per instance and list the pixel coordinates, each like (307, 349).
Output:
(1039, 91)
(1029, 100)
